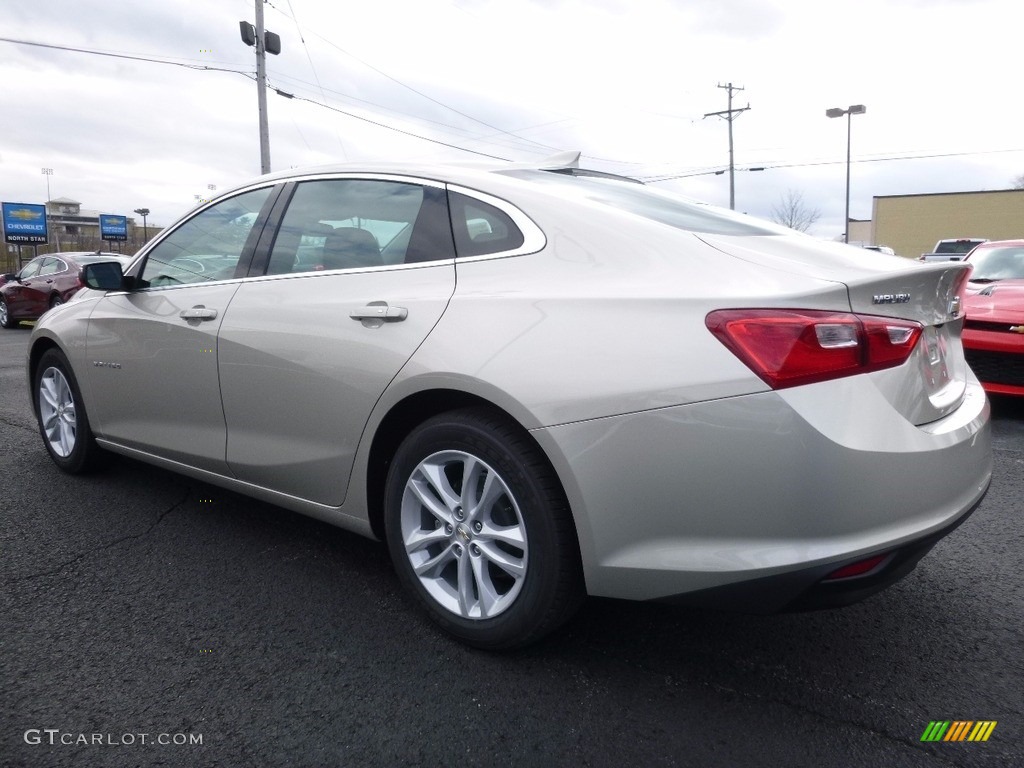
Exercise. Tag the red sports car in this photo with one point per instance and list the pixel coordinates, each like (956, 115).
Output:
(994, 304)
(45, 282)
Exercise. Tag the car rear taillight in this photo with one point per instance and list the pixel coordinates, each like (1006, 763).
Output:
(860, 568)
(790, 347)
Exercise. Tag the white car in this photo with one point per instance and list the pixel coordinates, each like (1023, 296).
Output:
(536, 383)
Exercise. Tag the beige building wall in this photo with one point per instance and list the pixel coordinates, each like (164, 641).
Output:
(912, 224)
(860, 232)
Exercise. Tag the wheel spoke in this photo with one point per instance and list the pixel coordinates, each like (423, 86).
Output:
(467, 580)
(420, 487)
(433, 473)
(506, 534)
(431, 569)
(421, 539)
(493, 489)
(512, 565)
(489, 596)
(48, 392)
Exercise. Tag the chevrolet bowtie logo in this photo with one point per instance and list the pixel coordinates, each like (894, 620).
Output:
(1017, 329)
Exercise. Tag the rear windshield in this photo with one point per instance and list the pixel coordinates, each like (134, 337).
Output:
(957, 246)
(656, 205)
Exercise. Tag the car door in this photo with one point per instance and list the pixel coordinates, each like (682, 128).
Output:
(359, 273)
(18, 293)
(152, 351)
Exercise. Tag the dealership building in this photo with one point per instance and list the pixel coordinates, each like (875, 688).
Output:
(912, 224)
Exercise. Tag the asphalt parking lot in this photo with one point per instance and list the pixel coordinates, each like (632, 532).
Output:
(149, 610)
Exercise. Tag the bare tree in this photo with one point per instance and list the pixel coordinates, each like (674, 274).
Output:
(791, 211)
(1018, 182)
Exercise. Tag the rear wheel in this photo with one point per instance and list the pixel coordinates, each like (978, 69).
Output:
(63, 422)
(56, 301)
(480, 532)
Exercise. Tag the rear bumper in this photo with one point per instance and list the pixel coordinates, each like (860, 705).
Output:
(750, 502)
(810, 589)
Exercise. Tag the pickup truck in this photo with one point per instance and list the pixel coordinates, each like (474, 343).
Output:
(953, 249)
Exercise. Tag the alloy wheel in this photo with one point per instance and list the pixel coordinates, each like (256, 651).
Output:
(464, 535)
(57, 412)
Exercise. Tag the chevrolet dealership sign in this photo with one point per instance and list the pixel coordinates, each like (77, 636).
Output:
(24, 223)
(113, 227)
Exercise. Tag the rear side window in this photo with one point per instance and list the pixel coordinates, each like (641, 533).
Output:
(358, 223)
(480, 228)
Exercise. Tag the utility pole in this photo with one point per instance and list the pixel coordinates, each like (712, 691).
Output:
(264, 42)
(729, 115)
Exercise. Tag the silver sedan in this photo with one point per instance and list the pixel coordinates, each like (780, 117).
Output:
(536, 383)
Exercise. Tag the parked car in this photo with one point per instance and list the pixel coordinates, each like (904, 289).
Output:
(952, 249)
(994, 329)
(45, 282)
(536, 383)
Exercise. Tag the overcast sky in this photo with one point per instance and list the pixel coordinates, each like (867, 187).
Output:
(627, 82)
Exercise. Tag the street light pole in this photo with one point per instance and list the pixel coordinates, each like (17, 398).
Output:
(143, 212)
(853, 109)
(47, 172)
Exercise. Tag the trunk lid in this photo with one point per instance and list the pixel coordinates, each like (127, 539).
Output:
(932, 383)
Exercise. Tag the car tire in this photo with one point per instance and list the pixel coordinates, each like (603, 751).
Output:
(63, 421)
(56, 301)
(494, 562)
(5, 315)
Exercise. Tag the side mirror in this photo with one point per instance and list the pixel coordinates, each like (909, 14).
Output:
(103, 276)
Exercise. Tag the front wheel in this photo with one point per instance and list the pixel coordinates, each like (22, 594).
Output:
(480, 532)
(63, 423)
(6, 320)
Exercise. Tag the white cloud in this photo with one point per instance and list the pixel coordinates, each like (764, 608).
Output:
(623, 81)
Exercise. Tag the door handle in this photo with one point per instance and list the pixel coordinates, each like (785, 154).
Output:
(198, 312)
(379, 310)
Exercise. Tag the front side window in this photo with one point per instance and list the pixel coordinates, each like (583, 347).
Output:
(359, 223)
(31, 269)
(208, 246)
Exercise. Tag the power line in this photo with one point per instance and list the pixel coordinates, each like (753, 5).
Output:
(389, 127)
(125, 56)
(426, 96)
(769, 166)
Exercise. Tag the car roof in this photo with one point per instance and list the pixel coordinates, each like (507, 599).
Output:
(483, 173)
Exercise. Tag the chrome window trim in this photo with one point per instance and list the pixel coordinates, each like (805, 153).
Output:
(346, 271)
(368, 176)
(534, 238)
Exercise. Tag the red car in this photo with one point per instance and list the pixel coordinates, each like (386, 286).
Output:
(45, 282)
(994, 305)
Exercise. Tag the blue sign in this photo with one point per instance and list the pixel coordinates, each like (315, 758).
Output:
(24, 223)
(113, 227)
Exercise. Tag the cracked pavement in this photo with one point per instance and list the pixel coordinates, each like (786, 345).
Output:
(136, 601)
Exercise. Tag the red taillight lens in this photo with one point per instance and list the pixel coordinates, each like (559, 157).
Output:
(790, 347)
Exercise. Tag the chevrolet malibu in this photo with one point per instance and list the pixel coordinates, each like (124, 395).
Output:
(534, 384)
